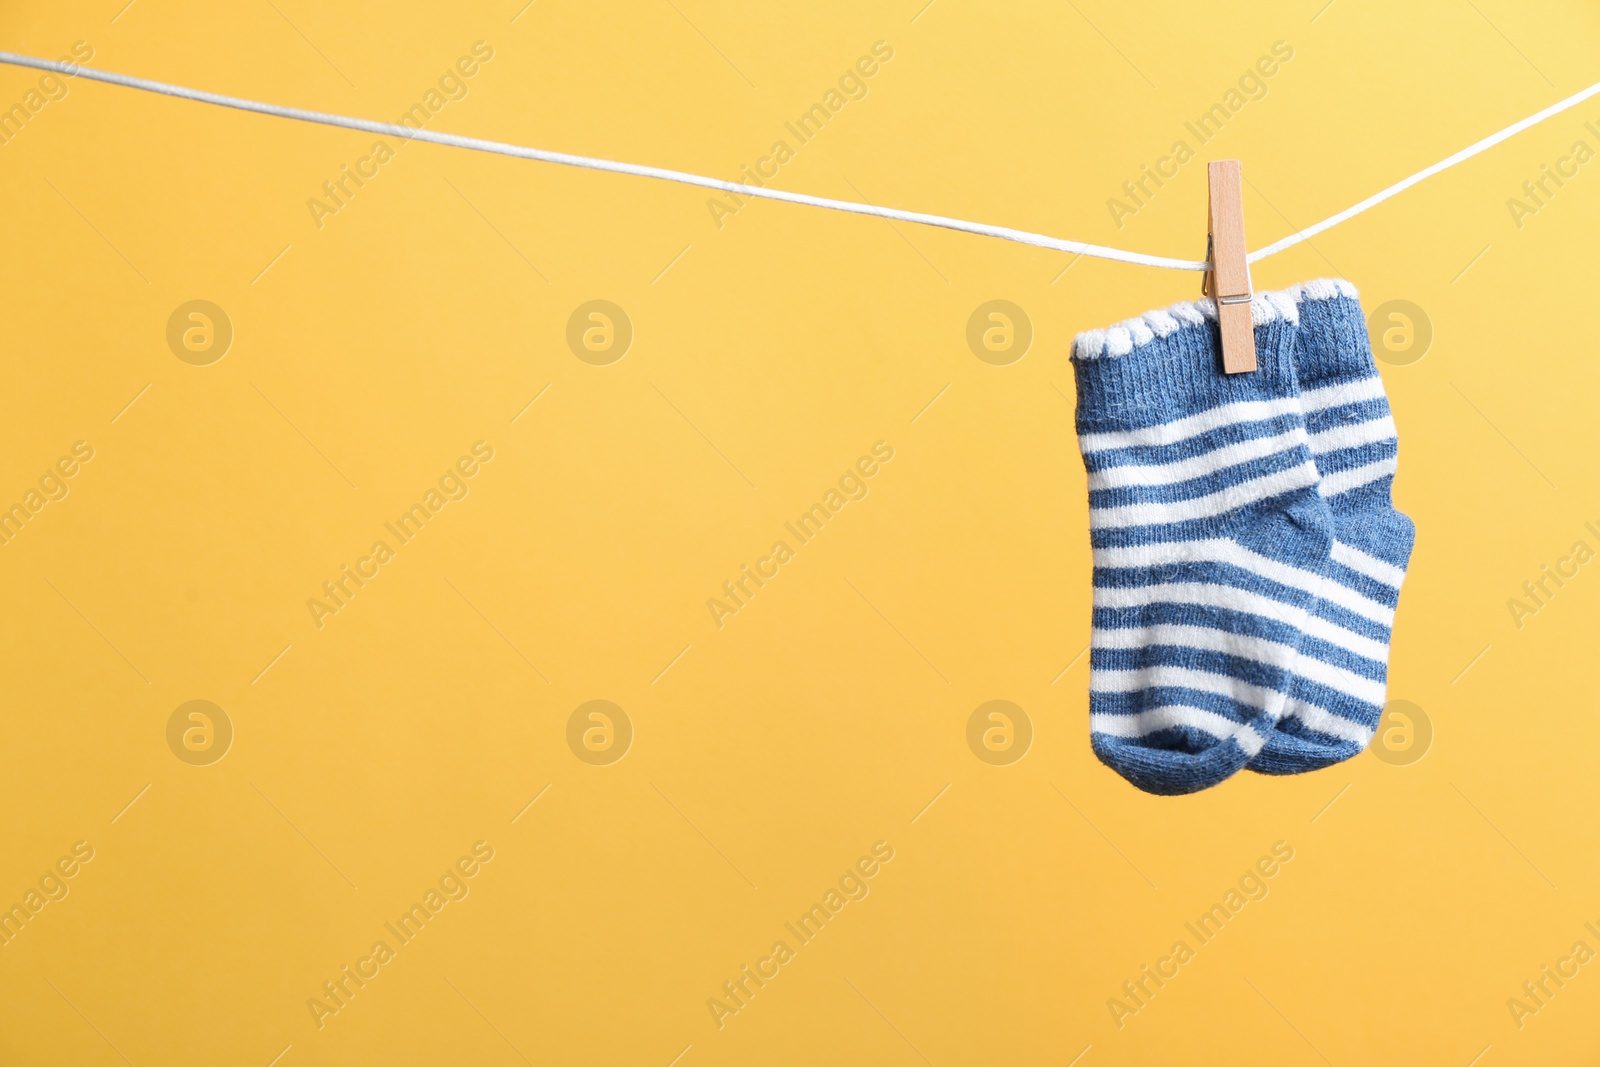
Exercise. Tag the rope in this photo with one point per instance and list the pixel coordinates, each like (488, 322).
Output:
(1006, 233)
(1427, 172)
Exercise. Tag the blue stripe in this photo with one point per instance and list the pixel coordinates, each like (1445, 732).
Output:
(1203, 485)
(1218, 662)
(1339, 414)
(1246, 670)
(1159, 696)
(1357, 582)
(1349, 458)
(1189, 447)
(1227, 576)
(1238, 622)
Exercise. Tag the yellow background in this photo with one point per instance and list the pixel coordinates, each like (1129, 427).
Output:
(767, 356)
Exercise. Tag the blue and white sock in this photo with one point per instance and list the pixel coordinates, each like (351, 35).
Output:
(1210, 540)
(1340, 681)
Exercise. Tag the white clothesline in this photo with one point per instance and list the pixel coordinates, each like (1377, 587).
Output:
(639, 170)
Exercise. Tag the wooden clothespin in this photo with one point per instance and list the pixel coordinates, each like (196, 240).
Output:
(1228, 280)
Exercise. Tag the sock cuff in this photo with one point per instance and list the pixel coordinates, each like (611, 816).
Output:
(1170, 377)
(1333, 347)
(1282, 305)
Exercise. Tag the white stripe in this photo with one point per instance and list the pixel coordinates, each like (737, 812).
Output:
(1175, 715)
(1328, 396)
(1371, 566)
(1167, 433)
(1243, 646)
(1198, 637)
(1223, 550)
(1334, 634)
(1326, 722)
(1200, 507)
(1338, 678)
(1353, 434)
(1245, 602)
(1195, 466)
(1344, 481)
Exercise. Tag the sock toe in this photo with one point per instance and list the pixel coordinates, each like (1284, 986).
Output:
(1172, 772)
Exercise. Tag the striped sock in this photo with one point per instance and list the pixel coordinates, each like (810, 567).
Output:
(1209, 541)
(1339, 686)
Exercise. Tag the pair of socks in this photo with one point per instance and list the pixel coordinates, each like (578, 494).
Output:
(1248, 557)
